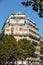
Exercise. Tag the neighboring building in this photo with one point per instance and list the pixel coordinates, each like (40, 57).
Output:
(41, 55)
(21, 27)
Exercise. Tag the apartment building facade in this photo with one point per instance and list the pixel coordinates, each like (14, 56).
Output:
(21, 27)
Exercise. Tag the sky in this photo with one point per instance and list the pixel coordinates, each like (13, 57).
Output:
(7, 7)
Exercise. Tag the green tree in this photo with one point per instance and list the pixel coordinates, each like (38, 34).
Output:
(41, 47)
(8, 47)
(37, 6)
(27, 47)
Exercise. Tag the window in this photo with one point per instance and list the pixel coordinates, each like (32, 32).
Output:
(17, 19)
(27, 25)
(20, 35)
(12, 29)
(20, 29)
(9, 24)
(7, 29)
(6, 25)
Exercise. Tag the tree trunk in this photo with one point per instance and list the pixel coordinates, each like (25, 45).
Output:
(28, 62)
(16, 61)
(22, 61)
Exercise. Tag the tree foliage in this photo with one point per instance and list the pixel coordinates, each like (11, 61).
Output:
(27, 47)
(37, 6)
(10, 49)
(41, 48)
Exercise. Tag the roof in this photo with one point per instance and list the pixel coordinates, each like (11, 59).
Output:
(18, 13)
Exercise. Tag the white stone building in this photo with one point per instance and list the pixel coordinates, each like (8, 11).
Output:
(21, 27)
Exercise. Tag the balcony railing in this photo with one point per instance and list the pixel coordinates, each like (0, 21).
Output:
(34, 43)
(34, 26)
(21, 33)
(34, 37)
(34, 32)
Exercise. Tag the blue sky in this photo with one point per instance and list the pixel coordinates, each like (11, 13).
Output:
(7, 7)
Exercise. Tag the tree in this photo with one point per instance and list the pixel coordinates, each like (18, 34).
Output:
(41, 47)
(10, 49)
(36, 4)
(9, 46)
(27, 47)
(41, 51)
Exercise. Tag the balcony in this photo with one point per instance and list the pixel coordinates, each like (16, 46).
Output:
(34, 43)
(34, 37)
(38, 53)
(31, 23)
(16, 21)
(38, 48)
(21, 33)
(34, 27)
(35, 32)
(34, 55)
(34, 59)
